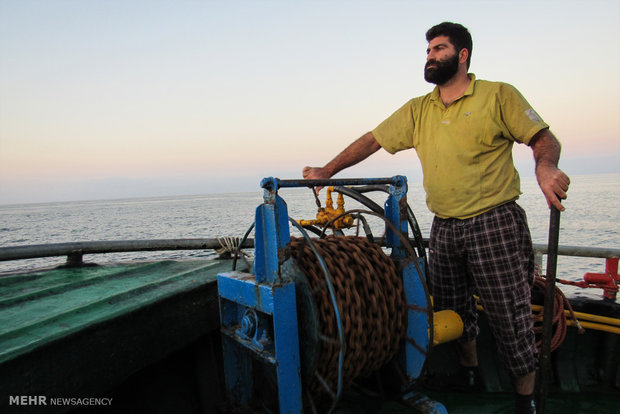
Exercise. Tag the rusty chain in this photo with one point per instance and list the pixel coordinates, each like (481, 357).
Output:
(371, 302)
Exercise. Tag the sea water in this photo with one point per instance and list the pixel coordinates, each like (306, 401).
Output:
(591, 219)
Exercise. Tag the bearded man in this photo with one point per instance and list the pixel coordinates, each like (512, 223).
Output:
(463, 132)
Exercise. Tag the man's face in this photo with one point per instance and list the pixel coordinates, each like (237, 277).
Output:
(442, 61)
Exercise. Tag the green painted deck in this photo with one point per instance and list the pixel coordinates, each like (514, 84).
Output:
(41, 307)
(491, 403)
(84, 332)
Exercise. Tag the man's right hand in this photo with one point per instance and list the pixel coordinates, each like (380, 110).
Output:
(315, 173)
(359, 150)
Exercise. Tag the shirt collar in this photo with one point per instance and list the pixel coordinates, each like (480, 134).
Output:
(470, 88)
(469, 91)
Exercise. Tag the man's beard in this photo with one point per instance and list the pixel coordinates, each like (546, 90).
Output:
(443, 71)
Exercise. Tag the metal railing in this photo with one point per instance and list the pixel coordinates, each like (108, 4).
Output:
(577, 251)
(78, 249)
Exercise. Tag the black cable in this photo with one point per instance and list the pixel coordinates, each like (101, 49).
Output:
(356, 193)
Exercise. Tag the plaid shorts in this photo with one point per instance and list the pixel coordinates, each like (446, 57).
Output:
(491, 255)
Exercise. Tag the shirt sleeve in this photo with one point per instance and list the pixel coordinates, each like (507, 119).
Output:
(396, 132)
(520, 119)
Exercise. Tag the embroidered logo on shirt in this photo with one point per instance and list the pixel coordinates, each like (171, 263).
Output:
(467, 113)
(533, 115)
(445, 122)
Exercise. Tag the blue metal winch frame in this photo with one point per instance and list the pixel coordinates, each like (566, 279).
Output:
(258, 311)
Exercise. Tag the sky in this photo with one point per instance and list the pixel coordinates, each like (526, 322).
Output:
(129, 98)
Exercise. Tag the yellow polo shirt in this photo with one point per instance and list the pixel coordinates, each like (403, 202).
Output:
(466, 148)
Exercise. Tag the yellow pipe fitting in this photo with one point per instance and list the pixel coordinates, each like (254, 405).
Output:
(329, 203)
(447, 326)
(340, 203)
(325, 214)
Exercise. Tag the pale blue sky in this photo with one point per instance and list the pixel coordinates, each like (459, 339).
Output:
(107, 99)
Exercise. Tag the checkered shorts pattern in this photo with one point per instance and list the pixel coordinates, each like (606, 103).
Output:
(491, 255)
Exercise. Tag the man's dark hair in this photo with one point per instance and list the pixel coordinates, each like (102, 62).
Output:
(459, 36)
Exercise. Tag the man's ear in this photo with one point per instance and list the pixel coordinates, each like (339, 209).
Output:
(463, 55)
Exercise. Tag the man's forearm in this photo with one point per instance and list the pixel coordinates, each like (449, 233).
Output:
(358, 151)
(546, 148)
(552, 181)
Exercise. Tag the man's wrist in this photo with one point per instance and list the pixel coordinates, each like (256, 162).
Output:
(545, 164)
(329, 170)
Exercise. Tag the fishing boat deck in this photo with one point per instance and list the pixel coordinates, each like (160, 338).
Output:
(75, 332)
(41, 307)
(147, 335)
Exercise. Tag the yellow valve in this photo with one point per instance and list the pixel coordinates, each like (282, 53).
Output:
(325, 214)
(447, 326)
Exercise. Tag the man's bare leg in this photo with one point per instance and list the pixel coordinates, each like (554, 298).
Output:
(525, 385)
(468, 354)
(524, 389)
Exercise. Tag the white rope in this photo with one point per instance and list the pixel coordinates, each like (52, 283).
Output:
(229, 245)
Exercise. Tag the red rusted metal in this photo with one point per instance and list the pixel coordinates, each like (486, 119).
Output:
(607, 281)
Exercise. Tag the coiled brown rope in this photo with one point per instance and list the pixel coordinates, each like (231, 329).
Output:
(559, 316)
(371, 302)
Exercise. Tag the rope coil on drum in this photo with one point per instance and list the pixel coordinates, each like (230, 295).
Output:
(371, 301)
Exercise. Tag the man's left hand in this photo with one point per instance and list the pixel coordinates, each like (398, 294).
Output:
(553, 183)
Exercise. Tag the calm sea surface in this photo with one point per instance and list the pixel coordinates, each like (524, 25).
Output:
(591, 218)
